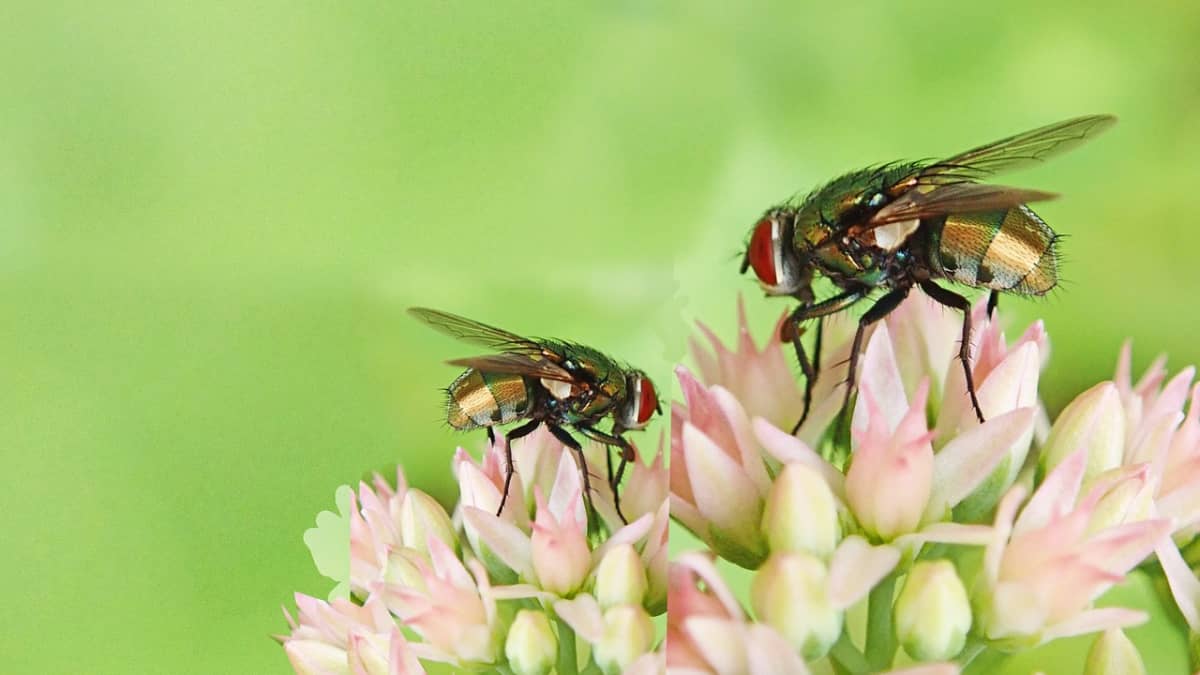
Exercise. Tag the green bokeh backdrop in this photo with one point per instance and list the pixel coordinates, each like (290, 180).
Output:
(213, 214)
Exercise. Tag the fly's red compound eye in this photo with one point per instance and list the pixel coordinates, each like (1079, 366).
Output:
(762, 252)
(647, 401)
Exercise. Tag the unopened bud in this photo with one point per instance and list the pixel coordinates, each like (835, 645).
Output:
(420, 517)
(1113, 654)
(789, 592)
(932, 612)
(801, 514)
(620, 578)
(1095, 419)
(628, 633)
(531, 646)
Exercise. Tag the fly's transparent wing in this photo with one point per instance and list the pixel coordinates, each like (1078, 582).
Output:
(515, 364)
(474, 332)
(956, 198)
(1016, 151)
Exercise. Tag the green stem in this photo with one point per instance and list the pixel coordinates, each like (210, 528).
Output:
(881, 639)
(846, 658)
(985, 661)
(567, 660)
(973, 649)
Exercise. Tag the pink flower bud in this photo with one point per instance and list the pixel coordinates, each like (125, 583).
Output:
(561, 558)
(891, 473)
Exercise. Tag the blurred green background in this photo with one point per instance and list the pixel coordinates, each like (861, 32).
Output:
(213, 214)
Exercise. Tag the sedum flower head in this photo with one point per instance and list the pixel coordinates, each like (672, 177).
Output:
(481, 591)
(945, 537)
(959, 537)
(334, 637)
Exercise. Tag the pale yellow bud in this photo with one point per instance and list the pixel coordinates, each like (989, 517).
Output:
(531, 646)
(620, 578)
(628, 633)
(801, 513)
(790, 592)
(1113, 654)
(1095, 420)
(421, 517)
(932, 612)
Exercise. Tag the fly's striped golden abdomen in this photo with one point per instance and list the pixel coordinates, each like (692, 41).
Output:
(1009, 250)
(477, 399)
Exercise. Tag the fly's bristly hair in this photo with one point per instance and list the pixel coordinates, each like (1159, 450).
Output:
(444, 420)
(1055, 251)
(886, 173)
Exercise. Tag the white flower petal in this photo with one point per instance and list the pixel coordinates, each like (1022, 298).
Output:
(583, 616)
(969, 458)
(752, 464)
(1013, 383)
(788, 449)
(720, 642)
(1005, 512)
(856, 567)
(1056, 495)
(1016, 609)
(703, 567)
(768, 653)
(566, 494)
(726, 498)
(653, 663)
(402, 660)
(688, 516)
(948, 533)
(1182, 581)
(630, 534)
(506, 540)
(519, 591)
(881, 374)
(1095, 620)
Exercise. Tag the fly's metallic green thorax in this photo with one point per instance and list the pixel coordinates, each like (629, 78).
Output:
(608, 376)
(902, 225)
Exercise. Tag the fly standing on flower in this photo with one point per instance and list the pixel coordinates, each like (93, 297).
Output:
(551, 382)
(906, 224)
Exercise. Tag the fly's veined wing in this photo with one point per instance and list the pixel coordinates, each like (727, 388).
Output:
(474, 332)
(956, 198)
(1015, 152)
(515, 364)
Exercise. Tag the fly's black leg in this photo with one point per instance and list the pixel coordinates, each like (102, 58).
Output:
(993, 300)
(608, 462)
(817, 345)
(792, 331)
(954, 300)
(523, 430)
(627, 455)
(880, 309)
(569, 441)
(815, 311)
(491, 436)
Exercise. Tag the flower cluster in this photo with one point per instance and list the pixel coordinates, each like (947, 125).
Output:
(958, 539)
(528, 591)
(906, 537)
